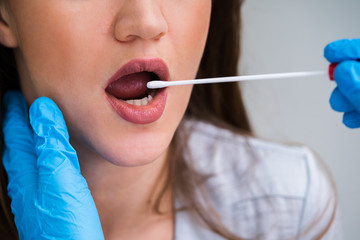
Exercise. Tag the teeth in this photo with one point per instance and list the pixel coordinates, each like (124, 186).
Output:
(140, 102)
(130, 102)
(144, 101)
(137, 102)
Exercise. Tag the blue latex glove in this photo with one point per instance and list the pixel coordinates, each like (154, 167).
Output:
(50, 198)
(346, 96)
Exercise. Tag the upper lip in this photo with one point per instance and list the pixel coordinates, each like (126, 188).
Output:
(154, 65)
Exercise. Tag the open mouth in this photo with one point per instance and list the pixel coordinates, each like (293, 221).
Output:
(132, 88)
(129, 96)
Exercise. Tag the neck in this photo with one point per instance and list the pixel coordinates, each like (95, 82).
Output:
(125, 196)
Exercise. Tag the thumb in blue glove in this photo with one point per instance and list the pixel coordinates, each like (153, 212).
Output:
(346, 96)
(50, 197)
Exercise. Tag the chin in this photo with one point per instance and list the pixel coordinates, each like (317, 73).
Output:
(136, 159)
(131, 151)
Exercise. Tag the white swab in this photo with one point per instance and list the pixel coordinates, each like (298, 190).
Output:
(161, 84)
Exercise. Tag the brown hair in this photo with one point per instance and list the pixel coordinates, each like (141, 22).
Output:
(220, 58)
(219, 104)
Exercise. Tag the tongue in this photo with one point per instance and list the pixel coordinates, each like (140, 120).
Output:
(131, 86)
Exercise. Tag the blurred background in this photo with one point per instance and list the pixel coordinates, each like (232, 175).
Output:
(290, 35)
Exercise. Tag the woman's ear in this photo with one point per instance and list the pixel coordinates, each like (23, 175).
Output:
(7, 35)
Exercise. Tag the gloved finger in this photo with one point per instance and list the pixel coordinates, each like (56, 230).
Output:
(51, 139)
(61, 186)
(347, 77)
(19, 157)
(58, 165)
(341, 50)
(352, 119)
(339, 102)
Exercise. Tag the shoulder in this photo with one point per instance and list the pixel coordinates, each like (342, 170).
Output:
(252, 177)
(215, 149)
(234, 158)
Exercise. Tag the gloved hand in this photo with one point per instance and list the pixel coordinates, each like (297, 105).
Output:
(50, 198)
(346, 96)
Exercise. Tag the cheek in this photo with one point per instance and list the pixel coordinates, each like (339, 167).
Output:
(189, 33)
(190, 29)
(53, 54)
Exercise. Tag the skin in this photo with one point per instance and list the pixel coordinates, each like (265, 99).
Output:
(68, 49)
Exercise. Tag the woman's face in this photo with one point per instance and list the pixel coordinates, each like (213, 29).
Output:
(89, 56)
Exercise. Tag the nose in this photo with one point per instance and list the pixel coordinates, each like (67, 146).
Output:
(140, 19)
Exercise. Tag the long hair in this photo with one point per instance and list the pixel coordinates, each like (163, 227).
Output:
(219, 104)
(8, 80)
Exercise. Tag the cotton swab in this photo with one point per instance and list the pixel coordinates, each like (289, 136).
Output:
(161, 84)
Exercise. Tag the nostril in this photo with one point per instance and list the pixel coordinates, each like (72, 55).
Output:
(140, 20)
(158, 37)
(128, 38)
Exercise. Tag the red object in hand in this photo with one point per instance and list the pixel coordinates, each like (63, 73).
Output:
(332, 70)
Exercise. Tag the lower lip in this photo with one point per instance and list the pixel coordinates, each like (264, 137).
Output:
(140, 114)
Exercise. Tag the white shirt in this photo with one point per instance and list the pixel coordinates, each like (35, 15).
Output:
(259, 188)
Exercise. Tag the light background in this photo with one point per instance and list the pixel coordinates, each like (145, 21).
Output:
(289, 35)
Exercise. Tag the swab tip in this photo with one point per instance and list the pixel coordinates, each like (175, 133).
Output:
(154, 84)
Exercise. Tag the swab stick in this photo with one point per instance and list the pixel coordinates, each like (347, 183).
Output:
(161, 84)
